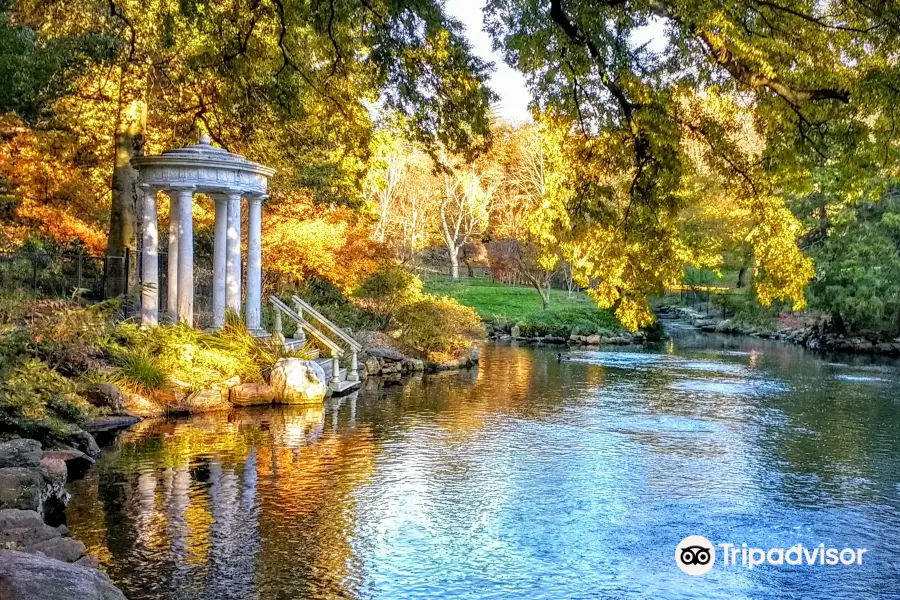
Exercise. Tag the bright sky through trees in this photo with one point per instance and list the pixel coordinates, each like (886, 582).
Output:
(508, 83)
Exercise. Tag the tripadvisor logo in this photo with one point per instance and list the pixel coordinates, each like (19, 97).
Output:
(696, 555)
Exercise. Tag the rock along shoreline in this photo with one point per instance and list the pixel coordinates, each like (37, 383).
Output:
(812, 338)
(39, 560)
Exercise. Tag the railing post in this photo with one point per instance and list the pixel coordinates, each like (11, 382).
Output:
(127, 273)
(353, 374)
(277, 335)
(335, 370)
(299, 334)
(79, 272)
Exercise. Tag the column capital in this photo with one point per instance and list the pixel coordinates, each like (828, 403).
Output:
(180, 188)
(257, 197)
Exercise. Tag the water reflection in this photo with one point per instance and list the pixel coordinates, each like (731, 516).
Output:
(525, 478)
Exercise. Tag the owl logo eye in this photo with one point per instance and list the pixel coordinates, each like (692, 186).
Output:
(695, 555)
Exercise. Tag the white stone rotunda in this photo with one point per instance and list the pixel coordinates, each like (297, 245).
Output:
(226, 177)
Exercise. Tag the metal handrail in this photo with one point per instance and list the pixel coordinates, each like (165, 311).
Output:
(284, 308)
(304, 305)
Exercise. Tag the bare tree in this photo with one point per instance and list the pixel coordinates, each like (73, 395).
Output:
(464, 209)
(522, 258)
(384, 182)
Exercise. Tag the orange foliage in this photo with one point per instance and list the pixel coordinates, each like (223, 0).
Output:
(303, 239)
(57, 199)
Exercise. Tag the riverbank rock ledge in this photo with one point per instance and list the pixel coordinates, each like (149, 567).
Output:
(298, 381)
(812, 337)
(20, 453)
(26, 576)
(506, 332)
(38, 559)
(389, 363)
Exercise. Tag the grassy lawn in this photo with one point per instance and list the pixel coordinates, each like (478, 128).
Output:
(497, 302)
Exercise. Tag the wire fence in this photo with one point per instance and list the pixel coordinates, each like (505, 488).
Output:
(91, 279)
(712, 300)
(511, 277)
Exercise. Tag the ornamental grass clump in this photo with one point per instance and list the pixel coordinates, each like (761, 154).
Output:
(185, 357)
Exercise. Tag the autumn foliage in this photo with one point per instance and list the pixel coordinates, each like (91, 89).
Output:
(302, 239)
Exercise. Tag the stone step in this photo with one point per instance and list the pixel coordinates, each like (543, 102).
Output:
(345, 387)
(325, 363)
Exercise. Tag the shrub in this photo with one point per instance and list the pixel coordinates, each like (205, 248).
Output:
(437, 327)
(329, 300)
(34, 399)
(59, 325)
(585, 320)
(388, 290)
(15, 305)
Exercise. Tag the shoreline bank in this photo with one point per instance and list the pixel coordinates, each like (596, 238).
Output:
(808, 337)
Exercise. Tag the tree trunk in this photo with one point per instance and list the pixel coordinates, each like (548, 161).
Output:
(823, 220)
(837, 324)
(545, 296)
(454, 262)
(131, 122)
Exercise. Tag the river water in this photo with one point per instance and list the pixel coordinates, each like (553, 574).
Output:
(524, 478)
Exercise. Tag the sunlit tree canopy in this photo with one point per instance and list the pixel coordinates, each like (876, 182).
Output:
(743, 105)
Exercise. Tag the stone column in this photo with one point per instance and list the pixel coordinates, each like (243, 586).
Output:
(253, 317)
(172, 262)
(149, 260)
(220, 241)
(185, 255)
(233, 254)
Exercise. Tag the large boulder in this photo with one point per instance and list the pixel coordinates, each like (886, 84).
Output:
(26, 576)
(30, 488)
(77, 360)
(415, 365)
(205, 401)
(373, 367)
(23, 528)
(298, 381)
(252, 394)
(224, 387)
(82, 440)
(137, 405)
(20, 453)
(104, 395)
(389, 367)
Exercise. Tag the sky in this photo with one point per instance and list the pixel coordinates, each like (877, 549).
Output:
(507, 82)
